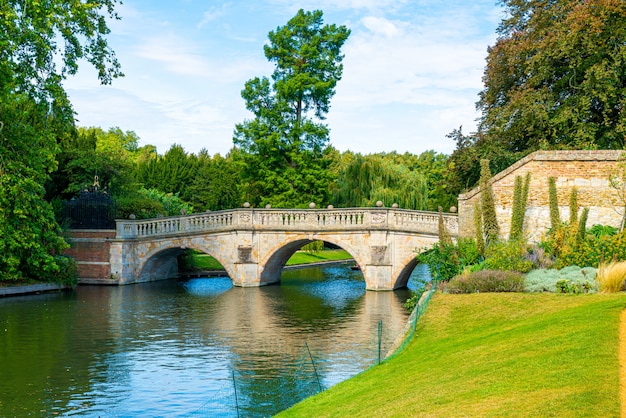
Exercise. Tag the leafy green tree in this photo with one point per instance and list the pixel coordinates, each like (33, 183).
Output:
(87, 152)
(363, 180)
(151, 203)
(283, 147)
(41, 43)
(171, 173)
(215, 184)
(556, 77)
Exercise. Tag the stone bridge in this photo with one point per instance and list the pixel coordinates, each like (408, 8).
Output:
(253, 245)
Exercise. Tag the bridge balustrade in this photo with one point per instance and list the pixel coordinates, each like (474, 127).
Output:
(410, 221)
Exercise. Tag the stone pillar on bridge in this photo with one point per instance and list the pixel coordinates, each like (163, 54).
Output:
(123, 261)
(245, 270)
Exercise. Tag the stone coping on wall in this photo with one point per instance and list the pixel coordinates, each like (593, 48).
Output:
(559, 155)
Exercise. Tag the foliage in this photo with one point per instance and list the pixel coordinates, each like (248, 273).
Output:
(555, 79)
(444, 234)
(582, 224)
(87, 152)
(213, 185)
(611, 276)
(447, 260)
(390, 178)
(507, 256)
(556, 76)
(30, 236)
(41, 44)
(169, 173)
(283, 148)
(486, 281)
(151, 203)
(478, 227)
(39, 37)
(572, 279)
(573, 208)
(488, 208)
(422, 286)
(313, 247)
(520, 199)
(67, 273)
(592, 250)
(539, 258)
(565, 286)
(599, 230)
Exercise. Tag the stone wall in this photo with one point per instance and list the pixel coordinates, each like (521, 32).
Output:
(91, 250)
(588, 171)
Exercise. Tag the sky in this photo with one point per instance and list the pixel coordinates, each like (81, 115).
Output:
(412, 71)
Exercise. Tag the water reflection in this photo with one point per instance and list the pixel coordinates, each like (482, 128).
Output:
(182, 348)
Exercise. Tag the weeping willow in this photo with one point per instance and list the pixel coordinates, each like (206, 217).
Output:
(364, 180)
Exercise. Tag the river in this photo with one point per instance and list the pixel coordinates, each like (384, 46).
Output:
(198, 347)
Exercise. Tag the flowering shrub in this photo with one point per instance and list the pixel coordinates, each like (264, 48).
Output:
(486, 281)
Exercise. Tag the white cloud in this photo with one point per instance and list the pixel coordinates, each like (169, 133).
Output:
(210, 15)
(380, 26)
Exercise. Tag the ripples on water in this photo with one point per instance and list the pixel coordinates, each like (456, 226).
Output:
(182, 348)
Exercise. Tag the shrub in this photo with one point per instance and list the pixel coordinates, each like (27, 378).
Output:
(447, 260)
(593, 250)
(507, 256)
(539, 258)
(600, 230)
(572, 279)
(611, 276)
(67, 273)
(486, 281)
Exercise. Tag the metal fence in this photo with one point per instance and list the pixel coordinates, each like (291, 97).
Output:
(91, 210)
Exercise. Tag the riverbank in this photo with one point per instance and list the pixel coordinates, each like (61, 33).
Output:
(26, 289)
(498, 354)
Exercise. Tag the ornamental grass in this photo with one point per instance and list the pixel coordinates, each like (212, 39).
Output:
(611, 276)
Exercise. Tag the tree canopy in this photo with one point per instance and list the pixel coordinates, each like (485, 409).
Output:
(555, 79)
(41, 43)
(283, 147)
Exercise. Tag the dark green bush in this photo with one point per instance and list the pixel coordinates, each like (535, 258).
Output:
(447, 260)
(487, 281)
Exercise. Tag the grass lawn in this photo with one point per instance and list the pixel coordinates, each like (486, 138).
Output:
(303, 257)
(494, 355)
(206, 262)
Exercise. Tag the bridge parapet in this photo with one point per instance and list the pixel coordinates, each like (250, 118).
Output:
(403, 220)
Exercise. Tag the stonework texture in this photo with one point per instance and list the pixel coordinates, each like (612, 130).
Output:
(588, 171)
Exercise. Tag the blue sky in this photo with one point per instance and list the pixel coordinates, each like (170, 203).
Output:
(412, 71)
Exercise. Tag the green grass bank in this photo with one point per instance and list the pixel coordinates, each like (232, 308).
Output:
(493, 355)
(200, 261)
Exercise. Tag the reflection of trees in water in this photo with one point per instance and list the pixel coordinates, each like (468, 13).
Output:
(81, 350)
(40, 368)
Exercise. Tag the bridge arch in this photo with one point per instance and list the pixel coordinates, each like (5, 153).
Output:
(161, 261)
(277, 256)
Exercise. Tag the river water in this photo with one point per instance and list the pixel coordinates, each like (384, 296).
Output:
(199, 347)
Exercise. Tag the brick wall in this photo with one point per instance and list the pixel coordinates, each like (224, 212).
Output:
(91, 250)
(589, 171)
